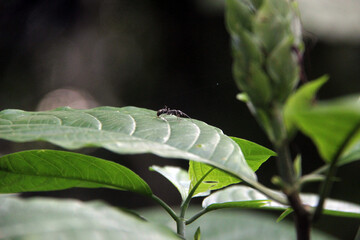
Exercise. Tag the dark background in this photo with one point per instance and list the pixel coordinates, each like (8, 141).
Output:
(147, 54)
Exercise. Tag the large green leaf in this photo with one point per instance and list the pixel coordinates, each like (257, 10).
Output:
(44, 170)
(254, 154)
(334, 125)
(71, 220)
(246, 197)
(128, 130)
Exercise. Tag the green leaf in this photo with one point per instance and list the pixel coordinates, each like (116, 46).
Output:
(334, 125)
(216, 179)
(338, 134)
(70, 219)
(240, 196)
(44, 170)
(301, 100)
(128, 130)
(284, 214)
(298, 166)
(197, 235)
(235, 197)
(243, 97)
(254, 154)
(177, 176)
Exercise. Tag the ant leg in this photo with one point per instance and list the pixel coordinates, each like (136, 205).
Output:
(162, 118)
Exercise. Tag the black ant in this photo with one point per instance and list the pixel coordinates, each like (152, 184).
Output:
(166, 110)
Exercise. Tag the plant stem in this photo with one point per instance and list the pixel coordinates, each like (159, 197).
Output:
(290, 187)
(320, 170)
(267, 192)
(324, 191)
(302, 217)
(180, 227)
(180, 221)
(166, 207)
(196, 216)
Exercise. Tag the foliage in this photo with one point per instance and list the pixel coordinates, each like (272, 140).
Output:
(69, 219)
(267, 68)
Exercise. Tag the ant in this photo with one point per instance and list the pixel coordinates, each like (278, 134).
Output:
(168, 111)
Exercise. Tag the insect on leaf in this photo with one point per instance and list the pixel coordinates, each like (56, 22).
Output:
(128, 130)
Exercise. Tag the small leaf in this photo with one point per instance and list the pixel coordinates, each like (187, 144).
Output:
(236, 197)
(297, 166)
(177, 176)
(44, 219)
(246, 197)
(301, 100)
(254, 154)
(45, 170)
(128, 130)
(215, 180)
(284, 214)
(243, 97)
(197, 235)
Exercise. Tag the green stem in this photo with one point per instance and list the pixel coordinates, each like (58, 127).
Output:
(180, 221)
(166, 207)
(185, 204)
(281, 145)
(314, 176)
(325, 190)
(196, 216)
(287, 173)
(267, 192)
(180, 227)
(320, 170)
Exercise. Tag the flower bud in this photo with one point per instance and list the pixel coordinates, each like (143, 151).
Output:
(266, 45)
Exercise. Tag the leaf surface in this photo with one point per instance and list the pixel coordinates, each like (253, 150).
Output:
(44, 170)
(239, 196)
(177, 176)
(333, 125)
(128, 130)
(44, 219)
(254, 154)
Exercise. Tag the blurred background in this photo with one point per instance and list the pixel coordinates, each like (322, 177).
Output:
(151, 53)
